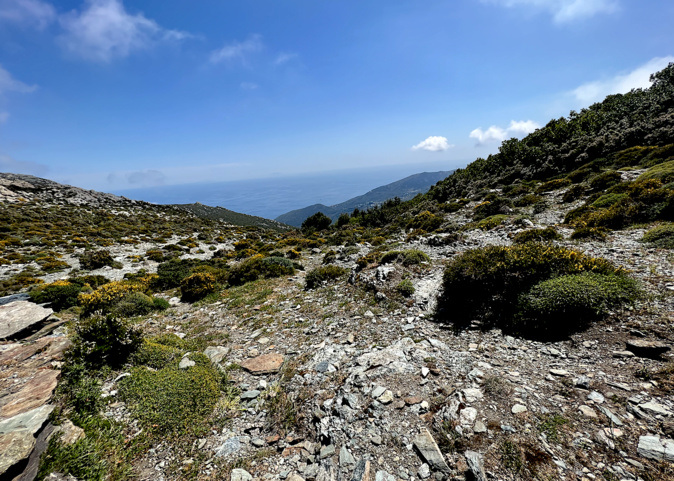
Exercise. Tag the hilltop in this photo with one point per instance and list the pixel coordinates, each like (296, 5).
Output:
(515, 322)
(404, 189)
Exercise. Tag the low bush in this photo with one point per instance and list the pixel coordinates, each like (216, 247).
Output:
(564, 304)
(589, 233)
(608, 200)
(60, 294)
(527, 200)
(552, 185)
(405, 288)
(197, 286)
(107, 296)
(96, 259)
(103, 340)
(133, 304)
(485, 284)
(317, 276)
(425, 220)
(260, 267)
(547, 234)
(493, 205)
(573, 193)
(172, 272)
(605, 180)
(317, 222)
(663, 172)
(157, 355)
(660, 236)
(171, 400)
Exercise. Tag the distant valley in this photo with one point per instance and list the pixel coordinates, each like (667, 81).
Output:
(405, 189)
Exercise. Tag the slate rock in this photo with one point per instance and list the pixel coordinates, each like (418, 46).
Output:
(429, 452)
(644, 348)
(19, 315)
(216, 353)
(265, 364)
(476, 465)
(17, 436)
(239, 474)
(653, 447)
(186, 363)
(362, 471)
(33, 394)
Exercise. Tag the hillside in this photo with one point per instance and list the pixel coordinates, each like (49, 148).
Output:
(403, 189)
(514, 323)
(231, 217)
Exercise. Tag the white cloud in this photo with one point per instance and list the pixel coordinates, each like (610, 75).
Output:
(248, 86)
(592, 92)
(9, 84)
(104, 30)
(238, 50)
(563, 10)
(9, 164)
(499, 134)
(34, 13)
(284, 58)
(434, 143)
(4, 117)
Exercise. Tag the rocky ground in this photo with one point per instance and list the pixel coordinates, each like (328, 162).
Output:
(379, 390)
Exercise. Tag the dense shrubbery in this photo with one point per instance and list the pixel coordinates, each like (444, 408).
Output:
(406, 258)
(104, 340)
(260, 267)
(96, 259)
(660, 236)
(486, 284)
(553, 185)
(316, 222)
(61, 294)
(197, 286)
(405, 288)
(492, 205)
(133, 304)
(426, 221)
(317, 276)
(547, 234)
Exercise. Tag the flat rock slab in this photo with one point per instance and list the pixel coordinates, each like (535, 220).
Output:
(19, 315)
(33, 394)
(653, 447)
(265, 364)
(429, 452)
(643, 348)
(17, 436)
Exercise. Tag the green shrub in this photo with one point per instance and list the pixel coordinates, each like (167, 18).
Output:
(104, 340)
(318, 221)
(317, 276)
(605, 180)
(547, 234)
(592, 233)
(608, 200)
(172, 272)
(565, 304)
(60, 294)
(329, 257)
(155, 255)
(425, 220)
(133, 304)
(579, 175)
(493, 205)
(171, 400)
(663, 172)
(156, 355)
(160, 304)
(552, 185)
(96, 259)
(660, 236)
(526, 200)
(197, 286)
(405, 288)
(573, 193)
(260, 267)
(484, 284)
(93, 281)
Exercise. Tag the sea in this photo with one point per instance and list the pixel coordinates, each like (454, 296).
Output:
(271, 197)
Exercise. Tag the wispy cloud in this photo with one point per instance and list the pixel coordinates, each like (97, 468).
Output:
(591, 92)
(10, 164)
(284, 58)
(499, 134)
(33, 13)
(10, 84)
(563, 11)
(434, 143)
(103, 30)
(238, 50)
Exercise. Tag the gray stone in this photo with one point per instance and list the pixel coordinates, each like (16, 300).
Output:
(327, 451)
(231, 446)
(587, 411)
(377, 391)
(323, 366)
(623, 354)
(653, 447)
(518, 409)
(19, 315)
(216, 353)
(258, 442)
(583, 382)
(30, 421)
(346, 460)
(609, 414)
(239, 474)
(351, 400)
(655, 408)
(17, 436)
(250, 395)
(476, 465)
(596, 397)
(472, 395)
(295, 477)
(384, 476)
(424, 471)
(186, 363)
(386, 398)
(479, 427)
(362, 471)
(643, 348)
(429, 452)
(559, 372)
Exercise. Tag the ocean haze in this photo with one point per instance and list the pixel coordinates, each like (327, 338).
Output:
(271, 197)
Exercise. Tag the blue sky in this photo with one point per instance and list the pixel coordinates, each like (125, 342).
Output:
(113, 94)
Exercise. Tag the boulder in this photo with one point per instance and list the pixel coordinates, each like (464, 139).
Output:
(19, 315)
(265, 364)
(653, 447)
(430, 453)
(644, 348)
(35, 393)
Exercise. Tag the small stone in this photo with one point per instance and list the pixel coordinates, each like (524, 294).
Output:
(384, 476)
(559, 372)
(425, 371)
(582, 382)
(377, 391)
(249, 395)
(424, 471)
(467, 417)
(322, 366)
(265, 364)
(622, 354)
(386, 398)
(587, 411)
(655, 408)
(327, 451)
(186, 363)
(20, 315)
(216, 353)
(653, 447)
(376, 440)
(258, 442)
(596, 397)
(346, 460)
(479, 427)
(476, 465)
(239, 474)
(472, 395)
(518, 409)
(644, 348)
(429, 452)
(412, 400)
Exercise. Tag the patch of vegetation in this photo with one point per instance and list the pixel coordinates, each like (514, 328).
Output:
(96, 259)
(589, 233)
(317, 276)
(527, 200)
(517, 289)
(426, 221)
(604, 180)
(258, 267)
(405, 288)
(540, 235)
(555, 184)
(407, 258)
(60, 294)
(103, 340)
(317, 222)
(550, 425)
(660, 236)
(663, 172)
(492, 205)
(134, 304)
(197, 286)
